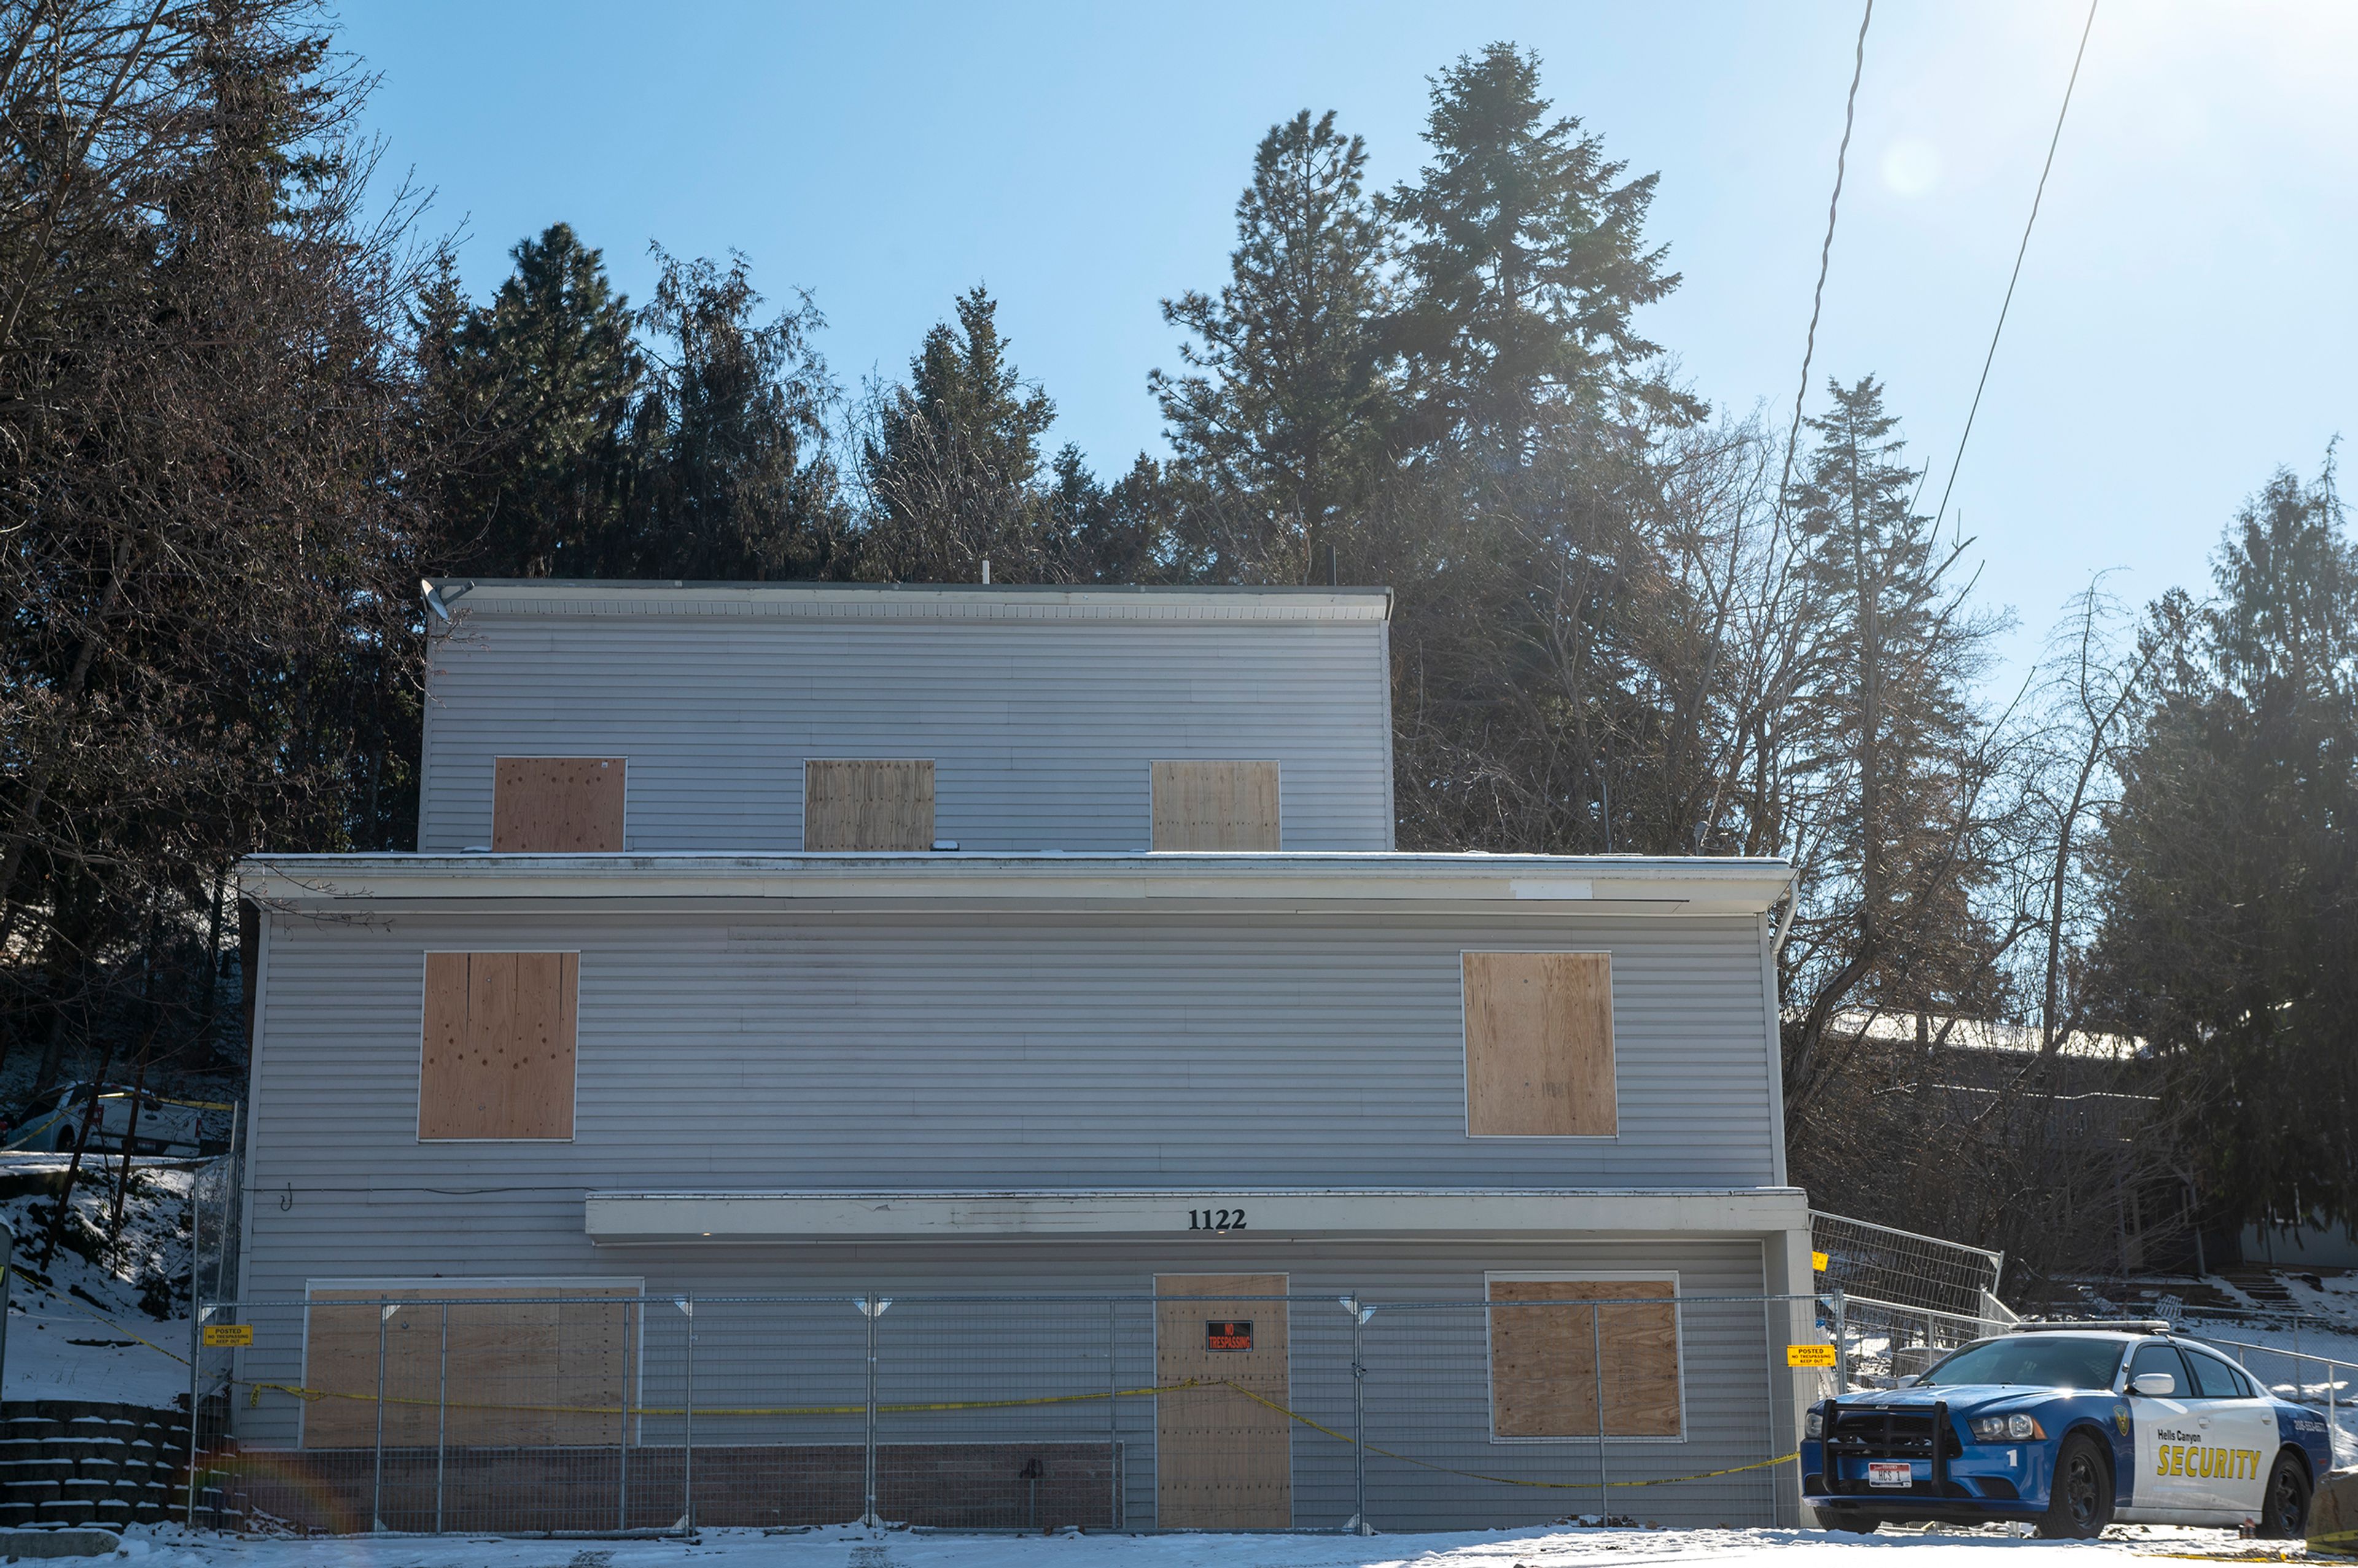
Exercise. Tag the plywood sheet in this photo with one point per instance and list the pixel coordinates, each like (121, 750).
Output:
(877, 804)
(1544, 1363)
(1221, 1460)
(497, 1059)
(1539, 1045)
(1215, 805)
(476, 1371)
(557, 805)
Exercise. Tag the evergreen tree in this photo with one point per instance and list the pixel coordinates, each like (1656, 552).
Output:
(1287, 406)
(1526, 263)
(529, 400)
(734, 477)
(952, 460)
(2230, 867)
(1891, 813)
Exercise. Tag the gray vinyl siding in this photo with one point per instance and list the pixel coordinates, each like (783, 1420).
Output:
(776, 1050)
(1426, 1387)
(1040, 730)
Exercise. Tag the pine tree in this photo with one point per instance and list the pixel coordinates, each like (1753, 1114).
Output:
(529, 400)
(2230, 867)
(1288, 404)
(952, 460)
(1526, 263)
(733, 472)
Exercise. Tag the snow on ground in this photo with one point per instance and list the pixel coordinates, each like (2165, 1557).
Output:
(107, 1316)
(853, 1547)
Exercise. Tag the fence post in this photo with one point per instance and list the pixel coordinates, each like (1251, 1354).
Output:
(1597, 1361)
(377, 1494)
(441, 1413)
(1842, 1344)
(622, 1444)
(687, 1435)
(1113, 1414)
(1359, 1419)
(868, 1309)
(196, 1379)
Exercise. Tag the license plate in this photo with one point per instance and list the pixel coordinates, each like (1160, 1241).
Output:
(1889, 1473)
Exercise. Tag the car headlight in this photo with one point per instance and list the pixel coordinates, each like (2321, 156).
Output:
(1814, 1423)
(2019, 1427)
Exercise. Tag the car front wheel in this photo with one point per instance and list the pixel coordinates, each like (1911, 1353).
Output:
(2080, 1503)
(2284, 1515)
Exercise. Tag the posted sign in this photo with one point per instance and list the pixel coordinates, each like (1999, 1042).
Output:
(1808, 1355)
(1818, 1262)
(1231, 1335)
(228, 1336)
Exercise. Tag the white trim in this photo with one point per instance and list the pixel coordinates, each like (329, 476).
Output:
(785, 1218)
(1488, 884)
(245, 1171)
(1583, 1276)
(1465, 1055)
(417, 1122)
(914, 602)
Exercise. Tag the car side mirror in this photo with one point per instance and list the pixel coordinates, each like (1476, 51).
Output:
(2153, 1385)
(1909, 1381)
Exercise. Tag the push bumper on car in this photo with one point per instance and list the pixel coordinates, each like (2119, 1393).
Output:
(1948, 1480)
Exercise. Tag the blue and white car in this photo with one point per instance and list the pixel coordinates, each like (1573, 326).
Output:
(2068, 1427)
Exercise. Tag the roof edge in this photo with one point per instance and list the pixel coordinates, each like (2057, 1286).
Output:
(1011, 601)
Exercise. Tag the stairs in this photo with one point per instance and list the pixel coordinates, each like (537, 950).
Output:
(79, 1462)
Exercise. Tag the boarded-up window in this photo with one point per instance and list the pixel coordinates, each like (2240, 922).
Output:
(1539, 1045)
(1214, 805)
(530, 1373)
(498, 1055)
(1544, 1377)
(557, 805)
(875, 804)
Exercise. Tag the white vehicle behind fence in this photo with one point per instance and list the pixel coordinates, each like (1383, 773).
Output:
(169, 1127)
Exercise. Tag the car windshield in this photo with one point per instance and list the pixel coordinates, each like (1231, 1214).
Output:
(2033, 1360)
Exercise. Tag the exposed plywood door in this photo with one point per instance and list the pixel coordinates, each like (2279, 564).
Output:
(1539, 1045)
(1544, 1363)
(497, 1058)
(557, 805)
(879, 804)
(1222, 1461)
(528, 1373)
(1203, 805)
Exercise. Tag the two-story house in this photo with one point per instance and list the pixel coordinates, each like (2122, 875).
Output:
(829, 942)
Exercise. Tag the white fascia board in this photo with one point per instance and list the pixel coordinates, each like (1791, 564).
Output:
(1564, 884)
(619, 1218)
(911, 601)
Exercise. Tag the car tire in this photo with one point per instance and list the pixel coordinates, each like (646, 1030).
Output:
(65, 1140)
(2284, 1508)
(2080, 1495)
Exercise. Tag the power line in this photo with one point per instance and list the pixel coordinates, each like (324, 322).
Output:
(2020, 251)
(1826, 252)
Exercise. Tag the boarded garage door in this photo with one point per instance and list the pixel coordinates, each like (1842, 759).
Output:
(499, 1370)
(1222, 1461)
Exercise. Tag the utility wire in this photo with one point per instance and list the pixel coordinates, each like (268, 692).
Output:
(2020, 251)
(1826, 252)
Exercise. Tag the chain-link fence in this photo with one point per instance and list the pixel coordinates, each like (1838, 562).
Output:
(617, 1413)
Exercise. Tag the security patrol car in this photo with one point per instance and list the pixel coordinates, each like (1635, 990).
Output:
(2068, 1426)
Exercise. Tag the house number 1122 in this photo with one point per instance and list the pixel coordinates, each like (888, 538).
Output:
(1215, 1219)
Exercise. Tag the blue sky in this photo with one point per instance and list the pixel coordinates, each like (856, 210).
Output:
(2185, 321)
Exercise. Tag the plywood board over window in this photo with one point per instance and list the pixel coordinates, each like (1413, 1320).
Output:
(557, 805)
(497, 1060)
(1539, 1045)
(478, 1367)
(1222, 1460)
(1544, 1376)
(868, 805)
(1214, 805)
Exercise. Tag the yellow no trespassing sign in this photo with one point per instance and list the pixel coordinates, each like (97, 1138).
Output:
(228, 1336)
(1808, 1355)
(1818, 1262)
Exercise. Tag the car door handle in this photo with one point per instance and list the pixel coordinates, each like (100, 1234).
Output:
(2203, 1421)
